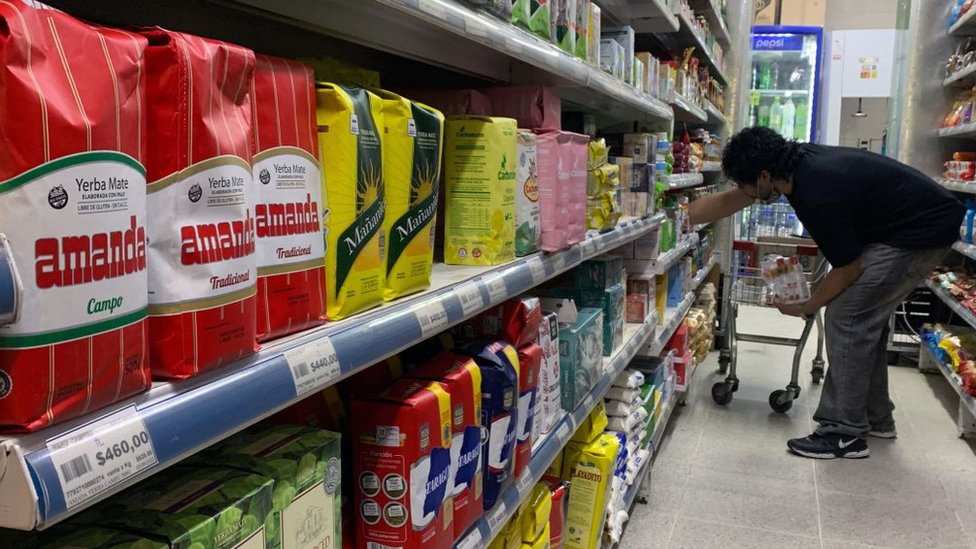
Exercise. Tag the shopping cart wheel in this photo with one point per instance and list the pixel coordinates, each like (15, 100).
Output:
(780, 401)
(722, 393)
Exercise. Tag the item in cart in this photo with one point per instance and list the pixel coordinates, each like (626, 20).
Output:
(402, 462)
(74, 332)
(534, 107)
(530, 362)
(288, 199)
(412, 138)
(785, 279)
(562, 159)
(350, 124)
(202, 300)
(533, 16)
(590, 481)
(499, 413)
(479, 171)
(205, 507)
(580, 356)
(304, 464)
(528, 232)
(625, 37)
(550, 405)
(462, 379)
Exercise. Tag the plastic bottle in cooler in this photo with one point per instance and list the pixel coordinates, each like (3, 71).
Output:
(800, 121)
(789, 115)
(764, 116)
(776, 115)
(774, 76)
(764, 78)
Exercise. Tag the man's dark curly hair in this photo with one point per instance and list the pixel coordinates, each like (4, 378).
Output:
(755, 149)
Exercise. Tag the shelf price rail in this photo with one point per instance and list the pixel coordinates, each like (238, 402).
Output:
(50, 475)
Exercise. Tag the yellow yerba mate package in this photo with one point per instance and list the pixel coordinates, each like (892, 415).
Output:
(479, 176)
(412, 137)
(590, 480)
(350, 123)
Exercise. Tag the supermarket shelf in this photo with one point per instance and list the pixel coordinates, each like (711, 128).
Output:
(662, 423)
(957, 185)
(781, 93)
(672, 256)
(953, 378)
(965, 26)
(956, 307)
(962, 78)
(965, 249)
(713, 14)
(682, 180)
(686, 111)
(644, 15)
(474, 42)
(961, 131)
(715, 116)
(182, 418)
(488, 526)
(703, 272)
(667, 326)
(688, 37)
(711, 166)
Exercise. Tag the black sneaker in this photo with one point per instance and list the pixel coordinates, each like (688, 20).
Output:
(829, 446)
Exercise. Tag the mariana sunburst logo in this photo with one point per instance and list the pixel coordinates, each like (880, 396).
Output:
(423, 183)
(368, 187)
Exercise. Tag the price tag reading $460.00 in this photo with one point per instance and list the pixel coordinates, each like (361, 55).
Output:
(101, 454)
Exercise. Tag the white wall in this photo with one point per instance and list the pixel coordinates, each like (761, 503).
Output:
(860, 14)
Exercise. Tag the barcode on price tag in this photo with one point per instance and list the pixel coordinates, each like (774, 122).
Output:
(312, 366)
(471, 300)
(96, 456)
(496, 288)
(537, 268)
(497, 516)
(432, 318)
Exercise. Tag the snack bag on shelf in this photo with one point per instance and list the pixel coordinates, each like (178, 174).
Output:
(350, 134)
(534, 16)
(304, 464)
(402, 464)
(462, 379)
(288, 191)
(510, 536)
(412, 138)
(79, 342)
(533, 514)
(202, 300)
(479, 228)
(186, 506)
(785, 279)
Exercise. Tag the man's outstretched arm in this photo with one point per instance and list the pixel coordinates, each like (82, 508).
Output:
(718, 205)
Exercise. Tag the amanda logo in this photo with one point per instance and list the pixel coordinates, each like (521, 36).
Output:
(58, 197)
(503, 172)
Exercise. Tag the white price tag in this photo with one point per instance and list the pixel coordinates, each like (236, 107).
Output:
(563, 432)
(313, 365)
(470, 541)
(94, 457)
(588, 401)
(496, 288)
(497, 516)
(537, 268)
(432, 318)
(559, 262)
(589, 246)
(471, 300)
(524, 483)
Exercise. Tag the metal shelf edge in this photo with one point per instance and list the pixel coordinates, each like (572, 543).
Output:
(490, 524)
(683, 103)
(670, 323)
(965, 249)
(962, 23)
(957, 185)
(960, 75)
(952, 303)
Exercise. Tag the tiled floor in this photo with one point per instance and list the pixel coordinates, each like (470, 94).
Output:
(723, 477)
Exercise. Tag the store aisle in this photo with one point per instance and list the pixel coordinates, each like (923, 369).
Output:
(725, 479)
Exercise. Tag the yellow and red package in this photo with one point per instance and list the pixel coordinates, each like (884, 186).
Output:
(288, 198)
(515, 321)
(557, 515)
(461, 378)
(202, 263)
(73, 209)
(530, 362)
(402, 461)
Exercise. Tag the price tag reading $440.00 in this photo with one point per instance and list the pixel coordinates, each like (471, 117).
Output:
(98, 455)
(313, 365)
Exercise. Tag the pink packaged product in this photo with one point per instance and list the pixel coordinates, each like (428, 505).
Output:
(535, 107)
(452, 102)
(561, 161)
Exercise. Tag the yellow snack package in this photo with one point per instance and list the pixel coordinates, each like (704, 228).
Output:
(479, 176)
(593, 425)
(542, 541)
(412, 137)
(509, 538)
(350, 122)
(590, 479)
(533, 514)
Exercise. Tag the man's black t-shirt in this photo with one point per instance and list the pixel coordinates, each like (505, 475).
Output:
(849, 198)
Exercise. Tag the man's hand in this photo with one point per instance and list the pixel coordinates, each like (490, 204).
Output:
(801, 310)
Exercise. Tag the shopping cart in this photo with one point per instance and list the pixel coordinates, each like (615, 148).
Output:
(745, 286)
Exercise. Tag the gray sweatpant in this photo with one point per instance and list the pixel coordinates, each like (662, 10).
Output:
(855, 398)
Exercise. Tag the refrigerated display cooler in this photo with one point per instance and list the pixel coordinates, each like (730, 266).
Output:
(785, 80)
